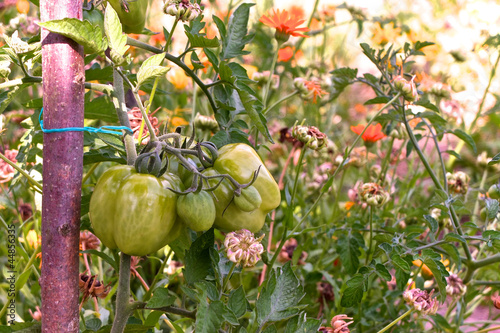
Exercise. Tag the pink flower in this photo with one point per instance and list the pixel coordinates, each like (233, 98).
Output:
(243, 248)
(7, 171)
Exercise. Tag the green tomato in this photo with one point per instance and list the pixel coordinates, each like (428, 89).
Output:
(196, 210)
(494, 191)
(134, 212)
(249, 200)
(95, 17)
(134, 19)
(240, 161)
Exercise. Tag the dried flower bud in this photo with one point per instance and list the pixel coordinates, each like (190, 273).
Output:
(205, 123)
(458, 182)
(91, 287)
(455, 287)
(408, 89)
(286, 253)
(340, 325)
(421, 301)
(311, 136)
(6, 170)
(325, 291)
(135, 118)
(243, 248)
(89, 241)
(373, 194)
(263, 77)
(309, 90)
(440, 90)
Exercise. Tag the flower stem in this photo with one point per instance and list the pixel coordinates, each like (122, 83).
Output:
(279, 102)
(396, 321)
(36, 185)
(368, 252)
(151, 97)
(171, 33)
(228, 277)
(270, 78)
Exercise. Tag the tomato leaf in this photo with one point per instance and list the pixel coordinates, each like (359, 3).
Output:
(151, 68)
(82, 32)
(198, 264)
(353, 294)
(161, 298)
(302, 324)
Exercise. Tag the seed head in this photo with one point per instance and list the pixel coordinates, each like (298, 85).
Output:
(421, 301)
(458, 182)
(373, 194)
(243, 248)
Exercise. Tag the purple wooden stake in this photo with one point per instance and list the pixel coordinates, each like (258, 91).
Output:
(63, 98)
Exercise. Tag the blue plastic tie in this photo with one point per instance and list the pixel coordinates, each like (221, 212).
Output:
(102, 129)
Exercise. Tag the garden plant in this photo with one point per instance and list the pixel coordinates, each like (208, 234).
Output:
(232, 166)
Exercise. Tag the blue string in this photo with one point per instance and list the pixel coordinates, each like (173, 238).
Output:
(102, 129)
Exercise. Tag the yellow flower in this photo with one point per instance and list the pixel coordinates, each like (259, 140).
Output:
(178, 78)
(32, 239)
(178, 121)
(386, 34)
(251, 70)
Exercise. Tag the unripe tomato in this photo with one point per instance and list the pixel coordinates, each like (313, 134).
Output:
(134, 20)
(249, 200)
(95, 17)
(134, 212)
(494, 191)
(196, 210)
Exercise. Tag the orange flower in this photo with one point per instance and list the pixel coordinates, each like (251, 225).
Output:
(386, 34)
(315, 88)
(23, 6)
(285, 54)
(286, 25)
(372, 134)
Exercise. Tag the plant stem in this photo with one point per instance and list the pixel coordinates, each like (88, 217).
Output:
(30, 179)
(171, 33)
(368, 252)
(396, 321)
(228, 277)
(475, 212)
(270, 78)
(151, 97)
(385, 162)
(121, 112)
(122, 295)
(90, 172)
(147, 296)
(280, 101)
(178, 62)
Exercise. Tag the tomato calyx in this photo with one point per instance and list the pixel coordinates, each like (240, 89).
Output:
(152, 160)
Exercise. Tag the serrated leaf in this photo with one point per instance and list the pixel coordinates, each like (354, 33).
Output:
(151, 68)
(236, 38)
(433, 261)
(427, 104)
(349, 251)
(452, 237)
(433, 224)
(197, 260)
(280, 296)
(491, 234)
(492, 208)
(7, 96)
(161, 298)
(253, 111)
(400, 263)
(466, 138)
(302, 324)
(353, 294)
(82, 32)
(201, 41)
(100, 108)
(383, 272)
(113, 28)
(452, 251)
(237, 302)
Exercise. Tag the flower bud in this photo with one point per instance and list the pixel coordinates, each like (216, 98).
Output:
(458, 182)
(408, 89)
(311, 136)
(421, 301)
(483, 159)
(373, 194)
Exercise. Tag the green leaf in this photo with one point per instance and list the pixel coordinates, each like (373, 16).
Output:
(433, 260)
(400, 263)
(82, 32)
(433, 224)
(236, 38)
(494, 160)
(491, 234)
(383, 272)
(452, 251)
(442, 323)
(353, 294)
(492, 208)
(200, 41)
(161, 298)
(279, 296)
(104, 256)
(466, 138)
(151, 68)
(100, 108)
(348, 248)
(427, 104)
(198, 264)
(452, 237)
(113, 28)
(93, 324)
(7, 96)
(378, 100)
(253, 108)
(302, 324)
(33, 327)
(210, 316)
(237, 302)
